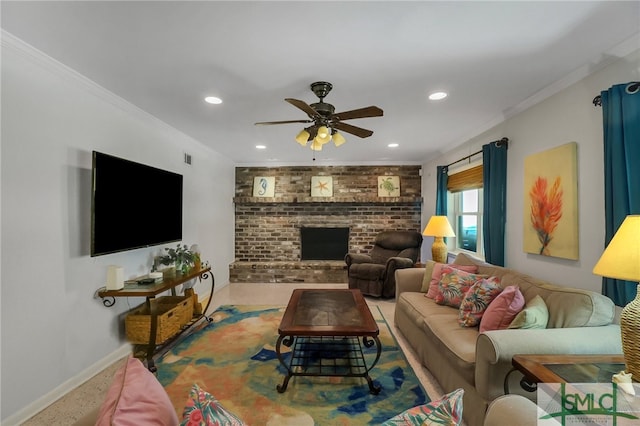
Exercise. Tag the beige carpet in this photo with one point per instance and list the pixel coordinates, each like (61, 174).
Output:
(88, 396)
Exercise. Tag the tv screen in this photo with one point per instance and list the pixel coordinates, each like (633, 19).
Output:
(133, 205)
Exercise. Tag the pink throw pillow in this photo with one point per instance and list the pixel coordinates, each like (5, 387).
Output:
(502, 310)
(135, 398)
(437, 275)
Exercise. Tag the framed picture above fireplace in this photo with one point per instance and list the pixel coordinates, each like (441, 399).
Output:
(321, 186)
(264, 186)
(388, 186)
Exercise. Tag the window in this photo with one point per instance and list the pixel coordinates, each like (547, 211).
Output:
(465, 210)
(466, 213)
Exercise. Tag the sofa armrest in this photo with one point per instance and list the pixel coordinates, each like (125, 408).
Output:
(352, 258)
(514, 410)
(409, 279)
(494, 350)
(394, 263)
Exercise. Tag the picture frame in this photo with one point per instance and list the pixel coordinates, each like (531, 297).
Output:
(388, 186)
(264, 186)
(321, 186)
(550, 210)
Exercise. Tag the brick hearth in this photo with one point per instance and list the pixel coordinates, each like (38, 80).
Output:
(267, 230)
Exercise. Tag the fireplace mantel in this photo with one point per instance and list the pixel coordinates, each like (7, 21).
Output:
(303, 199)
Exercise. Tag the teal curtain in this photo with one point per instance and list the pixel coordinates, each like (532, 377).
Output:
(494, 175)
(621, 125)
(441, 191)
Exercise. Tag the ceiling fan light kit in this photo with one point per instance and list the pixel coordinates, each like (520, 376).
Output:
(303, 137)
(326, 122)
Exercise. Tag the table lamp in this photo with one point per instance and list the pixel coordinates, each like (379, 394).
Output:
(621, 260)
(439, 227)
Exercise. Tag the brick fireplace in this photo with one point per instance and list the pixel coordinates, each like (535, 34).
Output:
(268, 230)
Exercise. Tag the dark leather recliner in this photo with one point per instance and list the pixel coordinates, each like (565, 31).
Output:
(374, 274)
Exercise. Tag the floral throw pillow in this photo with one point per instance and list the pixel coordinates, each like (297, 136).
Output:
(430, 285)
(476, 301)
(453, 285)
(445, 411)
(203, 409)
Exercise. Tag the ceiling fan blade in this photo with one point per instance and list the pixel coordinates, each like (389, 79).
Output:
(370, 111)
(312, 113)
(282, 122)
(358, 131)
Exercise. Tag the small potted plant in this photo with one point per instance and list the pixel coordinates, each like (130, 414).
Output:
(181, 257)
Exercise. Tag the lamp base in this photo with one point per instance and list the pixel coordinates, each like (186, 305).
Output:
(630, 330)
(439, 250)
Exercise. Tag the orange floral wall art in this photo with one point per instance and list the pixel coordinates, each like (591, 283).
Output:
(550, 210)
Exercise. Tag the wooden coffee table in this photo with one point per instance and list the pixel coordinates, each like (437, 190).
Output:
(324, 329)
(566, 368)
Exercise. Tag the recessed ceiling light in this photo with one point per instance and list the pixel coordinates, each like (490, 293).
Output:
(436, 96)
(393, 145)
(213, 100)
(261, 147)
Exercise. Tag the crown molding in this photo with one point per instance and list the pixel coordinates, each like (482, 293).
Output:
(610, 56)
(14, 44)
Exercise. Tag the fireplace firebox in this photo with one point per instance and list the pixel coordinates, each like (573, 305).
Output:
(324, 243)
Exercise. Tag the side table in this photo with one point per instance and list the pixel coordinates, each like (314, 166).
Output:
(564, 369)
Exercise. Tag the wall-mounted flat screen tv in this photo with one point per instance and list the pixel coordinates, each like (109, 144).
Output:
(133, 205)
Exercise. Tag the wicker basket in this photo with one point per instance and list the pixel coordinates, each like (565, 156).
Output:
(172, 315)
(183, 306)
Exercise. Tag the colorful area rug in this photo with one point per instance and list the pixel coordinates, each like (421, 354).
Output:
(233, 358)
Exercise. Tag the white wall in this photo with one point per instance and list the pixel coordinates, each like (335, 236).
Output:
(567, 116)
(53, 328)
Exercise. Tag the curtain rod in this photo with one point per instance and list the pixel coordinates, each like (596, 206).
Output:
(498, 143)
(631, 87)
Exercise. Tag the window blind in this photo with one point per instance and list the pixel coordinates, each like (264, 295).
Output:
(466, 179)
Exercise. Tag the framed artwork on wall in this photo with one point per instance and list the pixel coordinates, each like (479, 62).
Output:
(264, 186)
(550, 211)
(388, 186)
(321, 186)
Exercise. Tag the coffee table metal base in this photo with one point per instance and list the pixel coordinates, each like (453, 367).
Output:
(341, 356)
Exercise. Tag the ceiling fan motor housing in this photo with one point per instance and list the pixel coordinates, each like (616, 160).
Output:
(324, 109)
(321, 88)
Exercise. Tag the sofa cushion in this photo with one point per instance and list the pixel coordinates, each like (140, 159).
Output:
(417, 307)
(135, 397)
(568, 307)
(367, 271)
(436, 275)
(502, 310)
(534, 315)
(453, 285)
(458, 344)
(477, 300)
(446, 410)
(428, 274)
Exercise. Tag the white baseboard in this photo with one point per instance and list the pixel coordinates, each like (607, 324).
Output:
(41, 403)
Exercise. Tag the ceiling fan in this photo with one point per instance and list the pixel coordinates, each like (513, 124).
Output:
(326, 122)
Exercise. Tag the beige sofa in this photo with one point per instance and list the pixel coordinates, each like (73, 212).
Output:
(580, 322)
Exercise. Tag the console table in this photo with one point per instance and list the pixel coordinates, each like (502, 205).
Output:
(149, 292)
